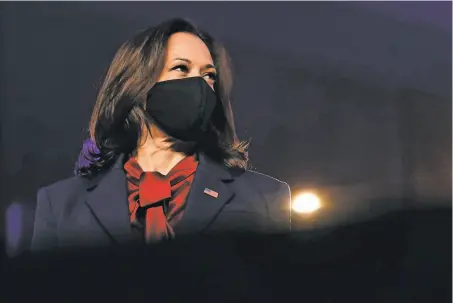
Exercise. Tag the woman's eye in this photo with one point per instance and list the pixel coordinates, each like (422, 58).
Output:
(211, 76)
(180, 68)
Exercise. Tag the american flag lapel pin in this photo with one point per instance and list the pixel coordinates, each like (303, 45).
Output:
(211, 193)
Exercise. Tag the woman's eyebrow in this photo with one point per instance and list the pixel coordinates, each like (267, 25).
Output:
(190, 62)
(183, 59)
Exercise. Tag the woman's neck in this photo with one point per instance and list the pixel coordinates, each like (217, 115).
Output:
(154, 154)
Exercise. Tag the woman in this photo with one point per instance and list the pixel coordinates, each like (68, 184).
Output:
(167, 161)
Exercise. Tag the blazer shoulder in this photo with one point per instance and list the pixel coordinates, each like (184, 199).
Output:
(265, 181)
(271, 187)
(64, 186)
(277, 196)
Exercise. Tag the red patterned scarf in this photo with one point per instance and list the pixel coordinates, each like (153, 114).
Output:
(157, 202)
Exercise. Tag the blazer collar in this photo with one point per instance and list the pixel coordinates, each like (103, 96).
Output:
(216, 170)
(209, 193)
(107, 200)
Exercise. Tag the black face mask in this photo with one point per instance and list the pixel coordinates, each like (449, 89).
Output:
(182, 108)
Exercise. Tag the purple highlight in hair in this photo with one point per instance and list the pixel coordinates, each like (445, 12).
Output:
(87, 154)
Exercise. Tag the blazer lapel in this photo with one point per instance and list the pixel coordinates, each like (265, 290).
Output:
(107, 200)
(208, 195)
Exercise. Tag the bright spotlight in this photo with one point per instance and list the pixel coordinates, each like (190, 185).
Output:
(306, 203)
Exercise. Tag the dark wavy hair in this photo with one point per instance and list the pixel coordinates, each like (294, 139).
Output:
(118, 116)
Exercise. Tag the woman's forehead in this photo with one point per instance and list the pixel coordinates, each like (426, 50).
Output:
(188, 46)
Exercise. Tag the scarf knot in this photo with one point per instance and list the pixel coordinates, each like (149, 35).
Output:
(156, 201)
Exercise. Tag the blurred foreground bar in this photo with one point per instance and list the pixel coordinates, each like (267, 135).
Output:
(399, 257)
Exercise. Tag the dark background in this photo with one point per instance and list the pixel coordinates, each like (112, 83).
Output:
(351, 100)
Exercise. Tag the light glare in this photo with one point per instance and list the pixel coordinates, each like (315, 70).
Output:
(306, 203)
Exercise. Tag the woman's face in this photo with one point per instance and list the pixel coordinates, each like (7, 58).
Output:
(187, 56)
